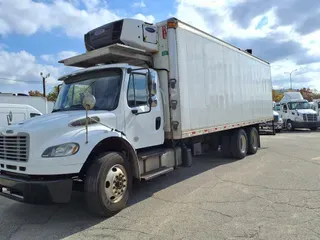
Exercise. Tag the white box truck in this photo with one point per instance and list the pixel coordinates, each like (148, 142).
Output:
(39, 103)
(146, 94)
(15, 113)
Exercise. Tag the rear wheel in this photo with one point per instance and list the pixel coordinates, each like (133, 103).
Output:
(253, 140)
(108, 184)
(239, 144)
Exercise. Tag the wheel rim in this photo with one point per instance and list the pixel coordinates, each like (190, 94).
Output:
(243, 143)
(116, 183)
(254, 140)
(289, 126)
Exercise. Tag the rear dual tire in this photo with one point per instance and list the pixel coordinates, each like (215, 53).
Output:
(240, 143)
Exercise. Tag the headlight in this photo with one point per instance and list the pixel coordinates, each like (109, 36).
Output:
(62, 150)
(298, 119)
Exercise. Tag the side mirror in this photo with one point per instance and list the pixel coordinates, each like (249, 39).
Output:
(149, 77)
(88, 101)
(59, 88)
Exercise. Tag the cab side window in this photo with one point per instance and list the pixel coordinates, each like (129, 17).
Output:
(137, 94)
(285, 108)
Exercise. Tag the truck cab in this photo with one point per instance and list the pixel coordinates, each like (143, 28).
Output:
(297, 113)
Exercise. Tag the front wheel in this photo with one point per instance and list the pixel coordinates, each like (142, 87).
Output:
(108, 184)
(289, 126)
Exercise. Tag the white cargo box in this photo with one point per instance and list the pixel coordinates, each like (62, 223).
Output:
(218, 85)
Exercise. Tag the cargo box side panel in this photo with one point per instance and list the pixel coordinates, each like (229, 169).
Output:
(219, 85)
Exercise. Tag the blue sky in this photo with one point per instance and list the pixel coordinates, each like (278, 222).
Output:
(35, 34)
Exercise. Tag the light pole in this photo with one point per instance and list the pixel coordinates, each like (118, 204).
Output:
(44, 82)
(290, 77)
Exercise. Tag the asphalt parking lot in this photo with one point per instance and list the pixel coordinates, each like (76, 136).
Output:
(274, 194)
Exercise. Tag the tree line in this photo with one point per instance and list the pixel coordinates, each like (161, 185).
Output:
(52, 96)
(307, 94)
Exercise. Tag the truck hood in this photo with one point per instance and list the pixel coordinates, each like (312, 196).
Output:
(306, 111)
(59, 122)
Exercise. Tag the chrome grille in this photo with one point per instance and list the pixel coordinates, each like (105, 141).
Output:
(310, 117)
(14, 148)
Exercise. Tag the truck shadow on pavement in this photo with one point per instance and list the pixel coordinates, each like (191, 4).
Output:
(58, 221)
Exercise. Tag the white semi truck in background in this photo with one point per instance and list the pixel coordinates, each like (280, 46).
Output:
(315, 105)
(296, 112)
(147, 94)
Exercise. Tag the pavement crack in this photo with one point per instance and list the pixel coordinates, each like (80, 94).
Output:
(123, 229)
(215, 211)
(266, 187)
(15, 231)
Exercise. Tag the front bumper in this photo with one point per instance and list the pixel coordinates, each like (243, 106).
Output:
(277, 125)
(305, 124)
(36, 192)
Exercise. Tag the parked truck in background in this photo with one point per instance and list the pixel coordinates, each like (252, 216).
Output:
(39, 103)
(15, 113)
(315, 105)
(147, 94)
(276, 123)
(297, 113)
(277, 107)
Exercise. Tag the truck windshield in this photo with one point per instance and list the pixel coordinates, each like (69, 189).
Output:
(298, 105)
(103, 84)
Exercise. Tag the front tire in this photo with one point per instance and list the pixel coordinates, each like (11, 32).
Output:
(108, 184)
(289, 126)
(239, 144)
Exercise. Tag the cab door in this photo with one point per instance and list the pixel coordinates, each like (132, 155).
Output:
(143, 123)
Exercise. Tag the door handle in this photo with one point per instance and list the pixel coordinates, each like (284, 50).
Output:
(134, 111)
(158, 123)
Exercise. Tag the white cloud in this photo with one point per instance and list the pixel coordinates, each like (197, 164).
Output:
(214, 17)
(62, 14)
(91, 4)
(21, 70)
(54, 58)
(149, 18)
(140, 4)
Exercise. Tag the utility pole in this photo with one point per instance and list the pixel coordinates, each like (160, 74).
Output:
(44, 82)
(290, 77)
